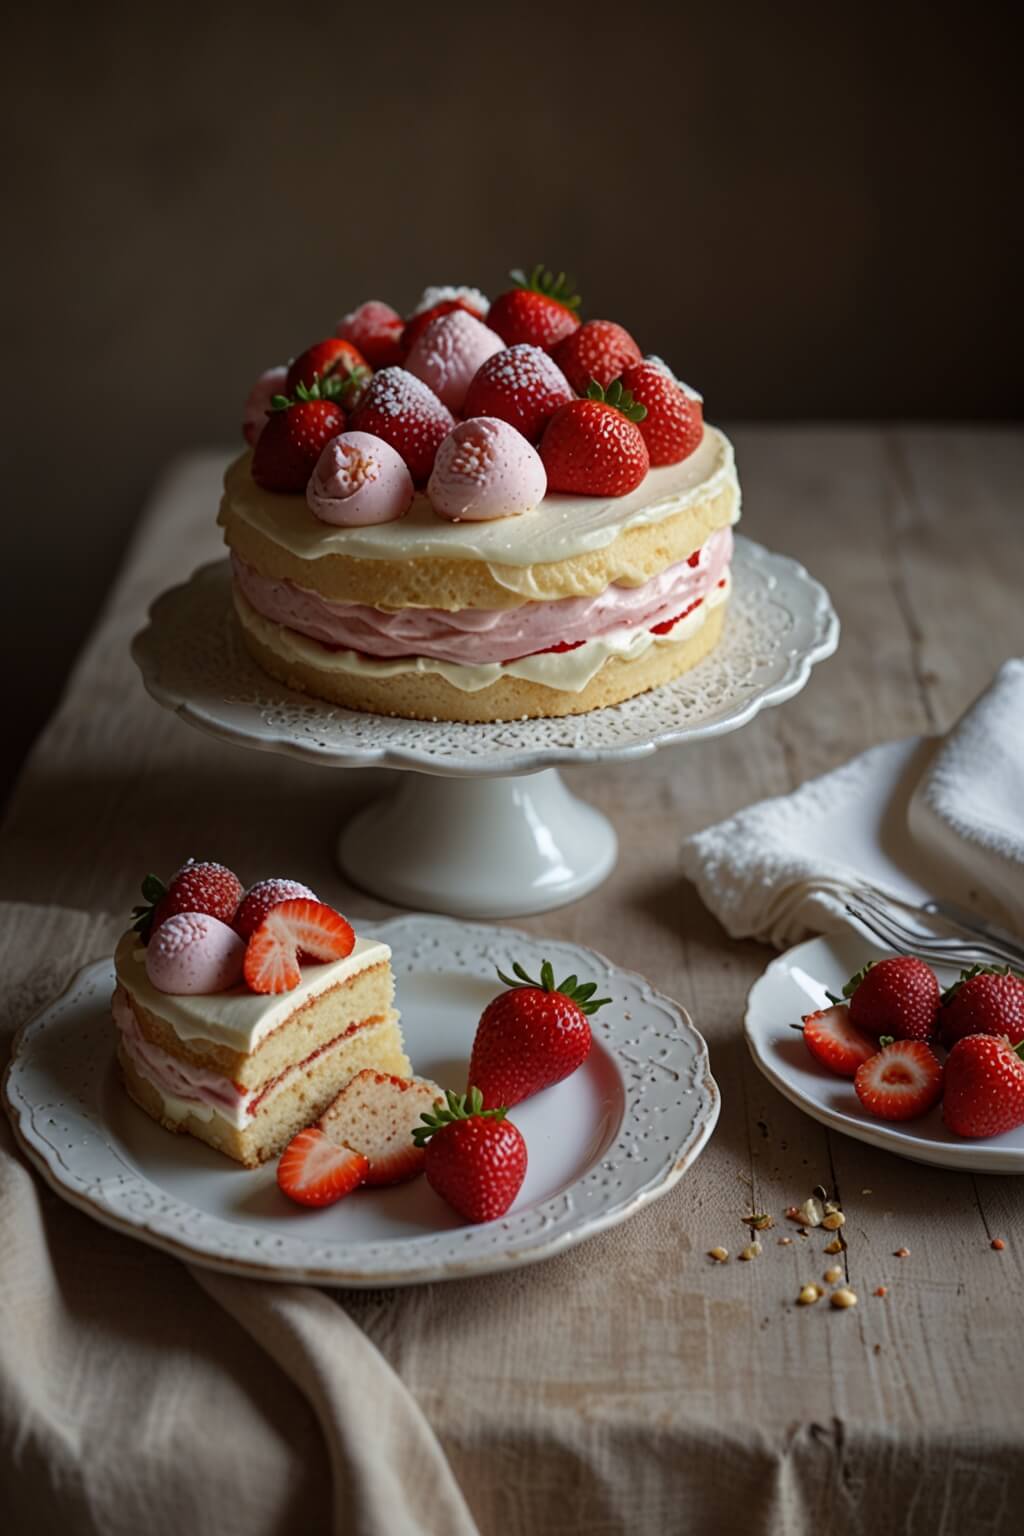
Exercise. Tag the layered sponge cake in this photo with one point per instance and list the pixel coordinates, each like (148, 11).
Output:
(207, 1048)
(549, 533)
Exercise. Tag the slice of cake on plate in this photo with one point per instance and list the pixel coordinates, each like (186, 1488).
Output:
(241, 1032)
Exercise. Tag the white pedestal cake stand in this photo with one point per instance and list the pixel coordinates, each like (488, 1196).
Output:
(483, 825)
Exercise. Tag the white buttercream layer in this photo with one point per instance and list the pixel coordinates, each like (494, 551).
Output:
(559, 528)
(238, 1019)
(568, 671)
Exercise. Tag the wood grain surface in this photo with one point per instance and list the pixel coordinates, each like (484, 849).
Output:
(634, 1383)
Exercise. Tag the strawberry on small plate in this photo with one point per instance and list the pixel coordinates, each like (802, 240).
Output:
(806, 981)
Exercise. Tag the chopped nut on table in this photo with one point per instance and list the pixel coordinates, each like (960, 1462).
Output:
(844, 1297)
(751, 1251)
(809, 1294)
(718, 1254)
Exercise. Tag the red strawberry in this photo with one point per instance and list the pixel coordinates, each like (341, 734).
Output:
(594, 447)
(293, 438)
(441, 301)
(309, 927)
(898, 997)
(532, 1036)
(376, 330)
(984, 1087)
(260, 898)
(901, 1081)
(540, 310)
(378, 1114)
(520, 385)
(336, 360)
(476, 1159)
(401, 409)
(205, 887)
(832, 1040)
(985, 1001)
(314, 1170)
(599, 350)
(674, 424)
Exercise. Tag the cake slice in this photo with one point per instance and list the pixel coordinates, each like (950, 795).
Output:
(244, 1071)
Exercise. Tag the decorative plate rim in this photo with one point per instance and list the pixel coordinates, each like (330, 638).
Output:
(780, 574)
(544, 1234)
(968, 1156)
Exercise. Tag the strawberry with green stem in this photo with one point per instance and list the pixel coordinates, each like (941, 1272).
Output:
(533, 1035)
(298, 428)
(594, 447)
(539, 310)
(475, 1157)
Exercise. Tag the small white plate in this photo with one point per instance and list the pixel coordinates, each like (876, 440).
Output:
(795, 984)
(618, 1133)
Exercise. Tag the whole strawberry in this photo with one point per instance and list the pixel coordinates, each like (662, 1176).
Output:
(599, 350)
(540, 310)
(400, 408)
(594, 447)
(898, 997)
(375, 330)
(674, 424)
(985, 1001)
(984, 1087)
(520, 385)
(476, 1159)
(533, 1035)
(203, 887)
(296, 432)
(335, 359)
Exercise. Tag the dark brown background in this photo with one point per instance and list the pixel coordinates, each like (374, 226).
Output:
(810, 210)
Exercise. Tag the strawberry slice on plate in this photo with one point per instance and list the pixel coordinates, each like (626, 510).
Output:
(314, 1170)
(835, 1042)
(901, 1081)
(294, 927)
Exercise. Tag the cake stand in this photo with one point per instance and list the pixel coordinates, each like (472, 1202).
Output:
(483, 824)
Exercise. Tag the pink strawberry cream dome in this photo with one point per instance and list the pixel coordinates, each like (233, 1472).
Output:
(193, 952)
(519, 513)
(486, 469)
(359, 480)
(257, 403)
(449, 353)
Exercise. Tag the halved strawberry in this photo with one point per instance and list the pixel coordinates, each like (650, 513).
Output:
(314, 1170)
(261, 898)
(901, 1081)
(833, 1040)
(299, 925)
(378, 1113)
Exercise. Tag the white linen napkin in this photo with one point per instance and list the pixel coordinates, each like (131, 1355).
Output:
(929, 816)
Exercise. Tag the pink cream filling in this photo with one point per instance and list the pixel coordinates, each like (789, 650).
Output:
(476, 636)
(175, 1079)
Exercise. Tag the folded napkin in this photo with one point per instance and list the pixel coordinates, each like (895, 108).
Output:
(930, 816)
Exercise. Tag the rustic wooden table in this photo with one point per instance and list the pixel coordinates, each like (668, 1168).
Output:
(635, 1384)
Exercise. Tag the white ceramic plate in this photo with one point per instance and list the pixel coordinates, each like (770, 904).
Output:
(796, 984)
(617, 1134)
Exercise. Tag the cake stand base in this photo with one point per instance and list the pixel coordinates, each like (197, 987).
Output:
(488, 847)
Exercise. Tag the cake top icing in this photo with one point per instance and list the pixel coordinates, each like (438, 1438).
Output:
(238, 1018)
(558, 528)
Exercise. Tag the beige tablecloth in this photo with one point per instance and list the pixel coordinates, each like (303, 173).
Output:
(632, 1385)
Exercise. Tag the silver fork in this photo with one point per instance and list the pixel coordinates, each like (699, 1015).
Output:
(880, 920)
